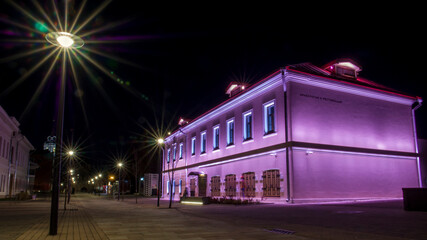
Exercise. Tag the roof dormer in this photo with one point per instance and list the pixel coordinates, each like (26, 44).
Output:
(235, 88)
(344, 68)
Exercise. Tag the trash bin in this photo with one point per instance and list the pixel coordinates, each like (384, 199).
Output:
(415, 199)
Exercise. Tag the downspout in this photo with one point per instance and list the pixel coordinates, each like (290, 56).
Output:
(415, 106)
(288, 184)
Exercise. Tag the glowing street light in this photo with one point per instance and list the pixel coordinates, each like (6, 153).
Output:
(160, 141)
(119, 165)
(64, 40)
(70, 153)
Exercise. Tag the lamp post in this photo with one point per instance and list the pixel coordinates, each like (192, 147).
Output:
(64, 41)
(160, 142)
(69, 173)
(99, 184)
(119, 165)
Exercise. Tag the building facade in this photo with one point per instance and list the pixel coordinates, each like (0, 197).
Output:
(151, 180)
(14, 157)
(304, 133)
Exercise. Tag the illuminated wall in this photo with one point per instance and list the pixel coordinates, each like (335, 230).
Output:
(338, 175)
(358, 143)
(325, 116)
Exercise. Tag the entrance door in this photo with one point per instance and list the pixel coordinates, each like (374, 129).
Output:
(12, 176)
(192, 187)
(202, 185)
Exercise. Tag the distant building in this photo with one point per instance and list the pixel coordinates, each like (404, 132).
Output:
(14, 157)
(50, 144)
(304, 133)
(151, 180)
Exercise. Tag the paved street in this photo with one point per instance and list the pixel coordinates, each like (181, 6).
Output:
(94, 217)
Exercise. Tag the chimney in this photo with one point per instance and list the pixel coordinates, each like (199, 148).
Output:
(346, 68)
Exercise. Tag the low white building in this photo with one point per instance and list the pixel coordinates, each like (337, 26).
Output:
(14, 156)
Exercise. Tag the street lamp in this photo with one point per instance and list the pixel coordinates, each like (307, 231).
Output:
(160, 142)
(119, 165)
(64, 41)
(70, 154)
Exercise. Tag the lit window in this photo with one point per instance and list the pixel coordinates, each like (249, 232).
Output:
(174, 152)
(193, 146)
(168, 156)
(230, 132)
(181, 150)
(180, 186)
(269, 118)
(167, 187)
(216, 137)
(173, 187)
(203, 142)
(247, 126)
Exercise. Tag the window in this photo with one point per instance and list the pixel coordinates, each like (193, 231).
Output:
(216, 186)
(181, 150)
(203, 142)
(271, 183)
(167, 187)
(174, 152)
(269, 118)
(180, 186)
(173, 187)
(216, 137)
(193, 145)
(168, 156)
(230, 132)
(247, 126)
(248, 184)
(230, 185)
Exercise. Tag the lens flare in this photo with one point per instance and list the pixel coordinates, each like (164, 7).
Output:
(64, 39)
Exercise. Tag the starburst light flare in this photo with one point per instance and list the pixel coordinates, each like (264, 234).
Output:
(46, 32)
(64, 39)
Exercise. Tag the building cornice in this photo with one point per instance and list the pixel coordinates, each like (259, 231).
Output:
(342, 86)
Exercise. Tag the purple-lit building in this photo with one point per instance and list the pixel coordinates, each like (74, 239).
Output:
(304, 133)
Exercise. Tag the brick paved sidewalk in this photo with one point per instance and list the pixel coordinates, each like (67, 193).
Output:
(74, 223)
(95, 217)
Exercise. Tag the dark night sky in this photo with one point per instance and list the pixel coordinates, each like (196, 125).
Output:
(187, 55)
